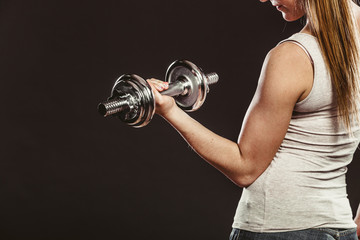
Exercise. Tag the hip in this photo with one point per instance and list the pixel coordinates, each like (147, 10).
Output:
(309, 234)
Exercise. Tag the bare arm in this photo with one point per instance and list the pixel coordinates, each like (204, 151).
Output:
(285, 78)
(357, 221)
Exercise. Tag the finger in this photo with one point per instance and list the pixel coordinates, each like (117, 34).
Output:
(155, 87)
(155, 91)
(154, 80)
(159, 85)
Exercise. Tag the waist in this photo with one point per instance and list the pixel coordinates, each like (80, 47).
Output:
(283, 199)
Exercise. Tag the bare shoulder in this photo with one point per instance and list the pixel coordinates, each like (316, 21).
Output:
(290, 55)
(289, 68)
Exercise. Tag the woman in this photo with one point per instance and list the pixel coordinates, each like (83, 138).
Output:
(299, 133)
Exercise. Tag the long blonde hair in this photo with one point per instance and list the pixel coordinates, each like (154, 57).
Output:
(334, 25)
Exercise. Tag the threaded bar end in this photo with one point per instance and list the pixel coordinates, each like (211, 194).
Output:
(112, 106)
(212, 78)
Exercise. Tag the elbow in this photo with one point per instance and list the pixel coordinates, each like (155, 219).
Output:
(245, 170)
(245, 175)
(243, 181)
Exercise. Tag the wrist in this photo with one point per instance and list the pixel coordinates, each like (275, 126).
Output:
(171, 112)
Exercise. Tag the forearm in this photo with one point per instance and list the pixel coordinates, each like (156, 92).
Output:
(264, 126)
(357, 221)
(357, 217)
(220, 152)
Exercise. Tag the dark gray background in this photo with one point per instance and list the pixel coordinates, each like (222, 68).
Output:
(68, 173)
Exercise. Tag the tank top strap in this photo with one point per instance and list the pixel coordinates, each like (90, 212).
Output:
(322, 81)
(298, 40)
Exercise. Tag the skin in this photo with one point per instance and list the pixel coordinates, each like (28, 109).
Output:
(357, 221)
(285, 79)
(289, 9)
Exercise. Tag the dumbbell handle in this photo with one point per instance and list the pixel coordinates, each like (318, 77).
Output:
(182, 86)
(176, 88)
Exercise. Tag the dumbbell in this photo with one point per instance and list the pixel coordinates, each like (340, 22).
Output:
(132, 99)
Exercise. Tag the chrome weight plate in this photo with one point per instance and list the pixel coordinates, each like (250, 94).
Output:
(197, 88)
(140, 99)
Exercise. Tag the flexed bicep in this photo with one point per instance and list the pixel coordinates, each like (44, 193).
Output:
(282, 83)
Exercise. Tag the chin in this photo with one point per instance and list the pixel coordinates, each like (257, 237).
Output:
(290, 18)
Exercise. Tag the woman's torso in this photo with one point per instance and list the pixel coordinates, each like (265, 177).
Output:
(304, 186)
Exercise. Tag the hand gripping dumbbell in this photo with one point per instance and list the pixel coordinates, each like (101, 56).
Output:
(132, 99)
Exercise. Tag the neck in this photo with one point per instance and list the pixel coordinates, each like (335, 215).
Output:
(307, 28)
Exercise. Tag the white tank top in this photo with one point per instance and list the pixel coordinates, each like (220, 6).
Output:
(304, 186)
